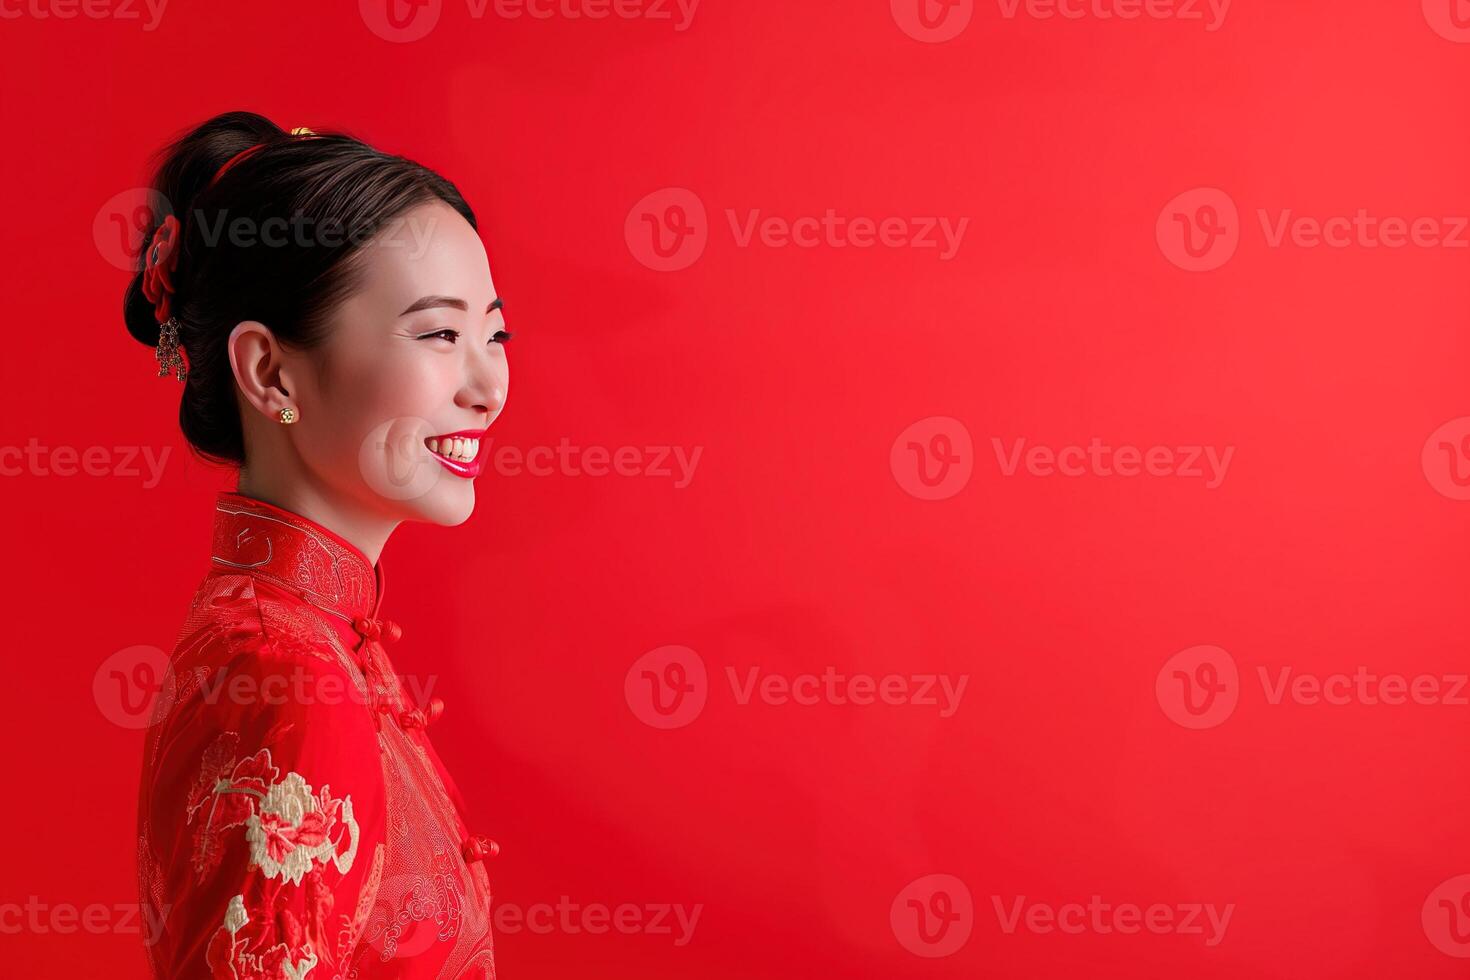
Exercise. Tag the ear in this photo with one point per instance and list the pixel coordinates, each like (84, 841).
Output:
(260, 368)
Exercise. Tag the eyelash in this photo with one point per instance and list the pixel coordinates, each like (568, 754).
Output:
(501, 336)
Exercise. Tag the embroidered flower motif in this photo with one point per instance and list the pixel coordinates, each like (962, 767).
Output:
(293, 833)
(294, 829)
(235, 916)
(159, 266)
(229, 959)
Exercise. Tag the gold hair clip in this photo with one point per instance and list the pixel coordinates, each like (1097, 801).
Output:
(302, 131)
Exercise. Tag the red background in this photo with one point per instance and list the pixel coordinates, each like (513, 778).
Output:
(1326, 548)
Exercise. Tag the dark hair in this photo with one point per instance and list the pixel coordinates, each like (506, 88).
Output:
(336, 189)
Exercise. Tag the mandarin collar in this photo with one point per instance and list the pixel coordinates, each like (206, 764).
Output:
(252, 537)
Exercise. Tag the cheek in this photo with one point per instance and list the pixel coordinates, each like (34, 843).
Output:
(375, 407)
(367, 392)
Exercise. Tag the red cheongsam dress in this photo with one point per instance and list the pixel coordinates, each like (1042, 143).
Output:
(294, 821)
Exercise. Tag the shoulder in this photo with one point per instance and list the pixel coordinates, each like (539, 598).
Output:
(252, 660)
(247, 631)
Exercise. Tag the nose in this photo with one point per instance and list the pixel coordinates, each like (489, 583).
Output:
(486, 381)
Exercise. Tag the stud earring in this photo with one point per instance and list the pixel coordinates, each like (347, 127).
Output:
(288, 415)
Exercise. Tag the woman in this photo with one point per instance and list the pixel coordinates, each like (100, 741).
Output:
(330, 312)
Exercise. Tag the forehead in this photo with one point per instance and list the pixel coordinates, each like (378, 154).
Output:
(428, 250)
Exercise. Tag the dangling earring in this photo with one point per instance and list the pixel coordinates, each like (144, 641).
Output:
(167, 350)
(288, 415)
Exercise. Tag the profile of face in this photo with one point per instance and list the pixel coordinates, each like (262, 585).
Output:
(394, 406)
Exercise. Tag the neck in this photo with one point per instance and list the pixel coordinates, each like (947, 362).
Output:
(365, 530)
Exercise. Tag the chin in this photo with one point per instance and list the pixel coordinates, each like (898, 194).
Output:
(447, 505)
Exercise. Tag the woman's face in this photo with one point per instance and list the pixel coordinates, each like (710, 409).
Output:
(413, 362)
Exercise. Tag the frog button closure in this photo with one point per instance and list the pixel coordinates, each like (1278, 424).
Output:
(378, 629)
(477, 848)
(422, 717)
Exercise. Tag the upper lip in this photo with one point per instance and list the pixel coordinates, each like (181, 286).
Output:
(463, 434)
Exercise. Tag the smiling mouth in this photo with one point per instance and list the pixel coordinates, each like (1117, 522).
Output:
(458, 449)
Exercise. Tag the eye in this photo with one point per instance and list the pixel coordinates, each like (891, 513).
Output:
(453, 334)
(501, 336)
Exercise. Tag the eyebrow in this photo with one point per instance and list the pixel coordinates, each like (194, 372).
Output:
(433, 302)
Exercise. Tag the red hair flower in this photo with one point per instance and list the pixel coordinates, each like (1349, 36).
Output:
(158, 268)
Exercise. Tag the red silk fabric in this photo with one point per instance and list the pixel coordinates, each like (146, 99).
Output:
(294, 820)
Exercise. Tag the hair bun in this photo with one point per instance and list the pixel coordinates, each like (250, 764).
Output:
(183, 169)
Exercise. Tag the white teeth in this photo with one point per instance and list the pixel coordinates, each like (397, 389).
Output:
(463, 450)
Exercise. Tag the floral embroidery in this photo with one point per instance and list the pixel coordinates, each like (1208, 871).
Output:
(294, 834)
(294, 829)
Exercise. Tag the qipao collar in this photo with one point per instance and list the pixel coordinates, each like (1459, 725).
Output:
(252, 537)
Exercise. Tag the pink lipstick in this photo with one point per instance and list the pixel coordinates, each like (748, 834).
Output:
(461, 453)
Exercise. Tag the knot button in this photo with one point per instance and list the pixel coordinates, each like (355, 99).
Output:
(374, 629)
(478, 849)
(422, 717)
